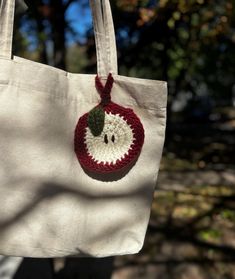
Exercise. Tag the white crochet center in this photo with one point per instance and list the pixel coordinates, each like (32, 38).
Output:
(113, 143)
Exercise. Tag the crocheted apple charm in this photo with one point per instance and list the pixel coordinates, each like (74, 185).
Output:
(109, 138)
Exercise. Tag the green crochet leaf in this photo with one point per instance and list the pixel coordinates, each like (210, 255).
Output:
(96, 121)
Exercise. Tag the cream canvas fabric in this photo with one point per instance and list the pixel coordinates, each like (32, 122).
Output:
(49, 207)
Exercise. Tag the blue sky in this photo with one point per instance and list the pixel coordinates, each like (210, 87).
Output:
(80, 20)
(79, 17)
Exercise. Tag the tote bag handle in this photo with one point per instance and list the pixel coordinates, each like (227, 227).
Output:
(103, 29)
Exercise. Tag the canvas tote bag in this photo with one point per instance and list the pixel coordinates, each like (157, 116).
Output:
(79, 154)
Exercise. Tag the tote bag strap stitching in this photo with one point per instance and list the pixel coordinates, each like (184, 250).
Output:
(7, 10)
(110, 37)
(99, 40)
(103, 27)
(105, 37)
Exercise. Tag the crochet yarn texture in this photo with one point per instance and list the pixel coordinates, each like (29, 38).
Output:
(109, 138)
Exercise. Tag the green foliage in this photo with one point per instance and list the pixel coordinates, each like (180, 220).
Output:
(187, 43)
(96, 121)
(228, 214)
(210, 234)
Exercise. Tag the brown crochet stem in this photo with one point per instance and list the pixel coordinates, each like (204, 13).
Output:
(104, 91)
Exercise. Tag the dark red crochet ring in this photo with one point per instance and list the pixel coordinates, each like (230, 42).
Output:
(86, 160)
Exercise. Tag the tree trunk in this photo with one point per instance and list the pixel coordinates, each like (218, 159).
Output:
(41, 40)
(58, 26)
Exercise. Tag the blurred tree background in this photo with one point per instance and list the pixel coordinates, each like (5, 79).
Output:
(191, 45)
